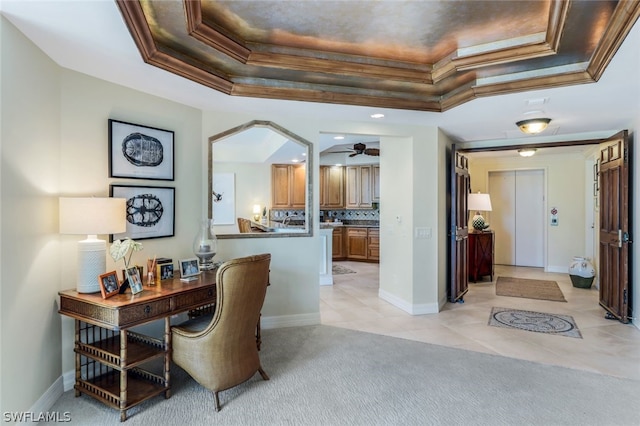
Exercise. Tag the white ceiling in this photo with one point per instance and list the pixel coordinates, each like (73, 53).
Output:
(90, 37)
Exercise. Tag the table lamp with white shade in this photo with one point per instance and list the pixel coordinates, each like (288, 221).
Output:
(92, 217)
(479, 202)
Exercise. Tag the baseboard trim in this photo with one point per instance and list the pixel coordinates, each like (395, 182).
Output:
(421, 309)
(557, 269)
(46, 401)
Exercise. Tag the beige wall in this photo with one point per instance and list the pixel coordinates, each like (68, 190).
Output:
(55, 143)
(565, 183)
(30, 274)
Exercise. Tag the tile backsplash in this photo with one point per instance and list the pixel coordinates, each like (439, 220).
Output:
(350, 215)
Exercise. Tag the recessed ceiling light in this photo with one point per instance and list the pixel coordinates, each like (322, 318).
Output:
(295, 160)
(304, 154)
(378, 115)
(339, 138)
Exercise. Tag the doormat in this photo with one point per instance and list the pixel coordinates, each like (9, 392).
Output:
(539, 322)
(530, 289)
(341, 270)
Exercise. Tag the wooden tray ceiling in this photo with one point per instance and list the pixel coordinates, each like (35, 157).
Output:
(416, 55)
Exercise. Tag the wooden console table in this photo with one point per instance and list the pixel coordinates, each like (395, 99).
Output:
(112, 362)
(480, 255)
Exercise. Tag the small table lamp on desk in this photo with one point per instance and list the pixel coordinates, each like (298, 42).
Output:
(479, 202)
(92, 217)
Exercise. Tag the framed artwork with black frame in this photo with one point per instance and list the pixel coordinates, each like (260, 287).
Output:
(140, 152)
(150, 211)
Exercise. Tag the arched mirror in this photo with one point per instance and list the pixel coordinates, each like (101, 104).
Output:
(260, 182)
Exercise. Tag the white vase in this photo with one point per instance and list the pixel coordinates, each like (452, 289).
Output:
(581, 272)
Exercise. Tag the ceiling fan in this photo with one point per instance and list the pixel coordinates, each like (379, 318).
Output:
(360, 148)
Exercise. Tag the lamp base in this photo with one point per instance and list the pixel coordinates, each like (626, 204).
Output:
(91, 264)
(478, 223)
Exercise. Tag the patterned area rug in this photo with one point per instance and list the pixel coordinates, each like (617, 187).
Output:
(530, 289)
(341, 270)
(539, 322)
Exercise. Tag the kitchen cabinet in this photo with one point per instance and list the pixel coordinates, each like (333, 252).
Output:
(357, 243)
(288, 186)
(480, 255)
(358, 187)
(375, 183)
(373, 244)
(331, 187)
(338, 244)
(362, 244)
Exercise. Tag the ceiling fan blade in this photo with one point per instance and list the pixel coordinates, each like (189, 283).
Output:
(372, 151)
(354, 154)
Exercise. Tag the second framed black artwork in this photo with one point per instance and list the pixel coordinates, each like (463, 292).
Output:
(150, 211)
(140, 152)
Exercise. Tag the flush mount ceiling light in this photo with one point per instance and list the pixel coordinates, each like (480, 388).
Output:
(534, 125)
(378, 115)
(526, 152)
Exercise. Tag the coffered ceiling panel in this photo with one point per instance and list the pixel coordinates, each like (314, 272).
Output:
(418, 55)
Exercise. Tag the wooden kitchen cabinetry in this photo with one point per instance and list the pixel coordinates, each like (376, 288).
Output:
(480, 255)
(338, 244)
(357, 243)
(331, 187)
(362, 244)
(375, 183)
(358, 187)
(373, 244)
(288, 186)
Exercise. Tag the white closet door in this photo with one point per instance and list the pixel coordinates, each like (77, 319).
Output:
(529, 218)
(517, 218)
(502, 189)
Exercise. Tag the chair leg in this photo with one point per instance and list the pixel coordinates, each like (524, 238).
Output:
(263, 374)
(216, 401)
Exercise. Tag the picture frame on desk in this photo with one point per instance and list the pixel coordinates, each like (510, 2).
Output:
(165, 271)
(140, 152)
(109, 284)
(189, 269)
(135, 280)
(150, 211)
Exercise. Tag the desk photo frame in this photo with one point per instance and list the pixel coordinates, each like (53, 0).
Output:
(189, 268)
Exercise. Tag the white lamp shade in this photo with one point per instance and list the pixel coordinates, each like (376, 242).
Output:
(479, 202)
(92, 216)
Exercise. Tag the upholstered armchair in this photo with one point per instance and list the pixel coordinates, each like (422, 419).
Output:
(219, 351)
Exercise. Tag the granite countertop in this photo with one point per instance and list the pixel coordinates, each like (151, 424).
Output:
(325, 225)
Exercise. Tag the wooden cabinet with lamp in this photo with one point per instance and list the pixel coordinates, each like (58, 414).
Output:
(480, 255)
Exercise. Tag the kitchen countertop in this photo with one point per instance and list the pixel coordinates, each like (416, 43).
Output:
(273, 226)
(324, 225)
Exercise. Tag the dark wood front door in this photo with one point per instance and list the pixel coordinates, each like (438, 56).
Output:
(614, 227)
(458, 235)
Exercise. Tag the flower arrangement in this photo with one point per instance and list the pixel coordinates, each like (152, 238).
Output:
(120, 248)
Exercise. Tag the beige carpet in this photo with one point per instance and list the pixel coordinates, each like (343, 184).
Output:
(529, 289)
(328, 376)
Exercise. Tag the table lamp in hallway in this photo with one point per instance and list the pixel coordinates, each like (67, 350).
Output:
(480, 203)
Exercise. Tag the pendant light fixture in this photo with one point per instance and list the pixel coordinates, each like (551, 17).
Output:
(534, 125)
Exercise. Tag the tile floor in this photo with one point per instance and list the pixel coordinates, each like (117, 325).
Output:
(607, 347)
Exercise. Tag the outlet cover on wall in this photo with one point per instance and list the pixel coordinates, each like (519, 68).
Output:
(423, 233)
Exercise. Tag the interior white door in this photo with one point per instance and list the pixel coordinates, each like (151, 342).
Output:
(517, 218)
(502, 188)
(529, 218)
